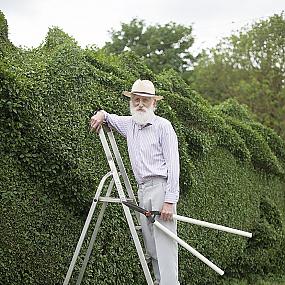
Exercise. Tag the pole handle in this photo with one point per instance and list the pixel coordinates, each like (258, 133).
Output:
(189, 248)
(212, 226)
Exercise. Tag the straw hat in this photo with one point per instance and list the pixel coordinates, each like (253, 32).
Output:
(143, 88)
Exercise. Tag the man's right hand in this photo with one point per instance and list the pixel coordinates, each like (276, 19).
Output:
(96, 121)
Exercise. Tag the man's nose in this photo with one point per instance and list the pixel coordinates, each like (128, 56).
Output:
(141, 103)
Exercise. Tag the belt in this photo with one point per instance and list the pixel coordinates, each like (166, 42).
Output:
(151, 182)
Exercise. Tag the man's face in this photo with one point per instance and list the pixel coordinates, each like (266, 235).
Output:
(142, 103)
(142, 109)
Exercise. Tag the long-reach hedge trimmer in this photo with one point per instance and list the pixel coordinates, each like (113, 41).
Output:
(151, 217)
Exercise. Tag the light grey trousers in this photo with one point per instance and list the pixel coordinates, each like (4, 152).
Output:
(162, 249)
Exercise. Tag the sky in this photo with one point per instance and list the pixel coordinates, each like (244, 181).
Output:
(89, 21)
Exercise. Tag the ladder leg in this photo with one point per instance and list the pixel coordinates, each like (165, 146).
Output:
(138, 245)
(94, 235)
(85, 228)
(125, 208)
(123, 171)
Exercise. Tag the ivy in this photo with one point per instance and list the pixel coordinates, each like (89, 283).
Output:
(232, 169)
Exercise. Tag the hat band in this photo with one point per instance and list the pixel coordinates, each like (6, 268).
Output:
(143, 93)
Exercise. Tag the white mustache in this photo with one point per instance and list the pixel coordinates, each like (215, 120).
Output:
(140, 109)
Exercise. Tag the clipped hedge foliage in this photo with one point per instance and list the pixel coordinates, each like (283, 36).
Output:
(232, 170)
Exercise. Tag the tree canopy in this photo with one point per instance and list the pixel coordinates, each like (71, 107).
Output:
(248, 66)
(160, 46)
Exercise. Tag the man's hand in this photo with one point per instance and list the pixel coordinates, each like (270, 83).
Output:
(166, 211)
(96, 121)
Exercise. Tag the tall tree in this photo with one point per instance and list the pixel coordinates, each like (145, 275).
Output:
(162, 47)
(249, 66)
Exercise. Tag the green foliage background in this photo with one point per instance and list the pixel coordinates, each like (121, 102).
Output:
(250, 67)
(232, 169)
(161, 47)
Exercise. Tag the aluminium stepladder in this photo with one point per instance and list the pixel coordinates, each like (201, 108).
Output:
(115, 175)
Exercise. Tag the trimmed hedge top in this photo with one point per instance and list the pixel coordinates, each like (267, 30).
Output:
(232, 168)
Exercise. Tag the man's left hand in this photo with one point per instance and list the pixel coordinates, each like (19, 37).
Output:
(166, 212)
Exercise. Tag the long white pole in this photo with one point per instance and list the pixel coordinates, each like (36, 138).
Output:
(188, 247)
(211, 225)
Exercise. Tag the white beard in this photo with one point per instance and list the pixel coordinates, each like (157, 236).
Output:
(142, 117)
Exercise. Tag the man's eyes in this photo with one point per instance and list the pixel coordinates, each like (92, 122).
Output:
(145, 100)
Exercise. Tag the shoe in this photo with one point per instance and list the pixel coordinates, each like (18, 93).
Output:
(155, 283)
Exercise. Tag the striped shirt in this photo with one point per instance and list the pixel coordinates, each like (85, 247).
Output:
(153, 150)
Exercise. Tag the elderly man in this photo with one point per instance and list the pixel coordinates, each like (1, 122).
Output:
(153, 151)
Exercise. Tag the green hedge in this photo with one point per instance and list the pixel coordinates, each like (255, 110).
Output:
(232, 170)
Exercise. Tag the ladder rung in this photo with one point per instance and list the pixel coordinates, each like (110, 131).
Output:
(112, 200)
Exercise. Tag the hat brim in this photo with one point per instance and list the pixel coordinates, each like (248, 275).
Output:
(129, 94)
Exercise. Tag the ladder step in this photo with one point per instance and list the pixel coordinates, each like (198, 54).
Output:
(112, 200)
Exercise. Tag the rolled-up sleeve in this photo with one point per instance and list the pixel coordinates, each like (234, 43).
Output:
(171, 155)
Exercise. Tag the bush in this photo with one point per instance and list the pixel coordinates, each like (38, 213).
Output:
(231, 170)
